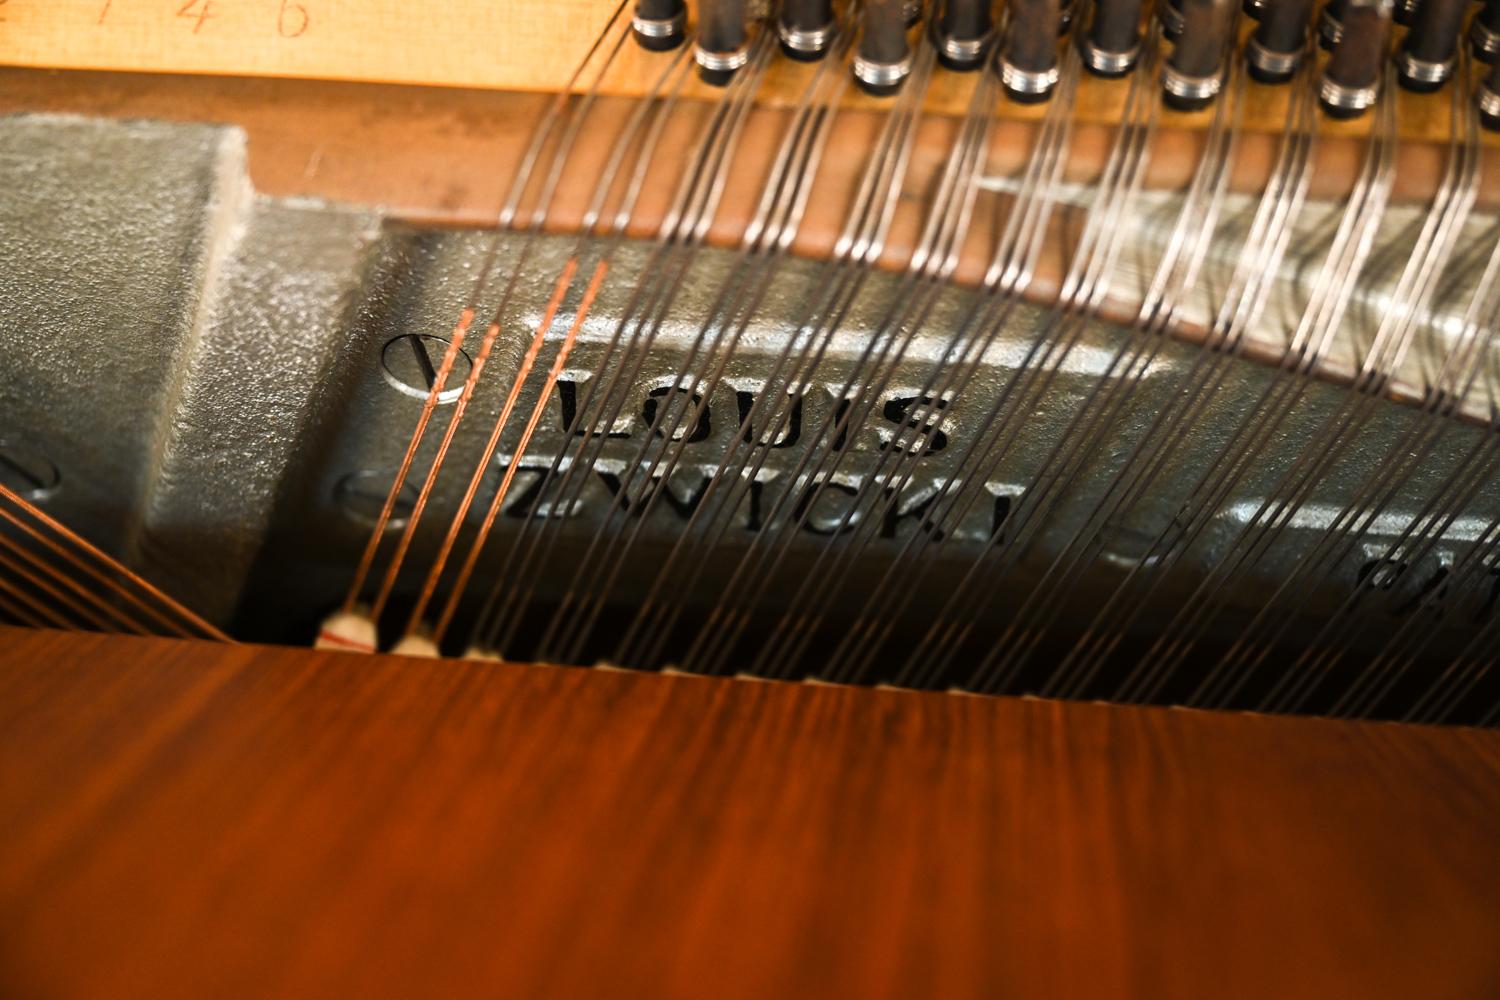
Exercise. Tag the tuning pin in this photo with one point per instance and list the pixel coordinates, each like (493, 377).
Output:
(1330, 24)
(1193, 75)
(882, 61)
(1484, 32)
(1488, 99)
(1065, 16)
(911, 12)
(1255, 9)
(722, 46)
(1429, 53)
(1169, 13)
(1112, 44)
(806, 28)
(1028, 60)
(964, 34)
(1275, 49)
(1351, 80)
(1405, 11)
(659, 25)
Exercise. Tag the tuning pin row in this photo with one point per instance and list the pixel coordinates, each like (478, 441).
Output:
(1427, 55)
(1356, 31)
(963, 31)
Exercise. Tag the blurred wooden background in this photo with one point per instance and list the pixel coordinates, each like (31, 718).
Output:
(181, 819)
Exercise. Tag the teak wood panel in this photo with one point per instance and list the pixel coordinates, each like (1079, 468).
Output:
(183, 819)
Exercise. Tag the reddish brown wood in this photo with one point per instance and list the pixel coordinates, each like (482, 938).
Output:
(181, 819)
(445, 155)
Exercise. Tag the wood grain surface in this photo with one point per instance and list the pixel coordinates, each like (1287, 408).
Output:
(190, 820)
(446, 154)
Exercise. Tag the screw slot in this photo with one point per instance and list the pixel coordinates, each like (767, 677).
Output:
(28, 472)
(360, 496)
(411, 361)
(1128, 547)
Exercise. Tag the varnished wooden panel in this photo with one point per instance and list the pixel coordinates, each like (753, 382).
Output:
(514, 44)
(182, 819)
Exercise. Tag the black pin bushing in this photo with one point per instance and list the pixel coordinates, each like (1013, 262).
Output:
(1191, 78)
(1351, 80)
(1028, 60)
(1488, 99)
(964, 33)
(659, 25)
(723, 45)
(1330, 24)
(911, 12)
(1405, 11)
(1065, 14)
(1430, 52)
(1169, 13)
(882, 62)
(1275, 49)
(1484, 32)
(1255, 9)
(1112, 45)
(806, 29)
